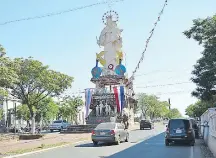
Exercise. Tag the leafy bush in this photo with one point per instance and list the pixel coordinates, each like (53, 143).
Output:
(30, 136)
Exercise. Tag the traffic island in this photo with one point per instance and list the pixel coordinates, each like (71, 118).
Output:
(54, 140)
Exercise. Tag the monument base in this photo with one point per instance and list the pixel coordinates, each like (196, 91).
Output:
(109, 80)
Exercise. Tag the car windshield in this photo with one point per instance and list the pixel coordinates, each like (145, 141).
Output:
(106, 126)
(179, 123)
(58, 121)
(143, 121)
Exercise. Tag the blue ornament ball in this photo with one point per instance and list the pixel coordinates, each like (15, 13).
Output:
(120, 70)
(96, 72)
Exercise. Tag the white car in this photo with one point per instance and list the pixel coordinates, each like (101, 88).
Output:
(165, 122)
(58, 125)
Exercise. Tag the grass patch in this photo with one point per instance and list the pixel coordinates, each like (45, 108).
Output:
(42, 146)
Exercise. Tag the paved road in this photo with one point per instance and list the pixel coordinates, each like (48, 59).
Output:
(145, 143)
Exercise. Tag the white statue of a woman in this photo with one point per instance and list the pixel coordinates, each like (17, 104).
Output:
(101, 108)
(115, 109)
(97, 110)
(107, 109)
(110, 38)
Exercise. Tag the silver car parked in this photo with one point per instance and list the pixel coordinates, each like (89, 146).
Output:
(110, 132)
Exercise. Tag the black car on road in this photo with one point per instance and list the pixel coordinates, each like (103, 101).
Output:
(180, 130)
(146, 124)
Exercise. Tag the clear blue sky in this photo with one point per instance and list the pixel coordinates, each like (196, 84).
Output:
(68, 42)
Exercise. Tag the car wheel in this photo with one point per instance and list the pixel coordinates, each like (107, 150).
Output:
(167, 143)
(51, 130)
(95, 142)
(118, 141)
(140, 128)
(150, 127)
(127, 138)
(192, 143)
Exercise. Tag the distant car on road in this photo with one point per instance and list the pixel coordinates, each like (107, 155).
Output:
(58, 125)
(110, 132)
(180, 130)
(146, 124)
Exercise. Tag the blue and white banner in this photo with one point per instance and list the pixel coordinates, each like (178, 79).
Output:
(122, 97)
(88, 98)
(119, 97)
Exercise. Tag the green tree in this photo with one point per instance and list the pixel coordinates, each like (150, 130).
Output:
(46, 110)
(70, 107)
(173, 113)
(1, 114)
(197, 109)
(149, 105)
(7, 75)
(2, 51)
(35, 82)
(144, 104)
(204, 75)
(189, 111)
(23, 112)
(164, 109)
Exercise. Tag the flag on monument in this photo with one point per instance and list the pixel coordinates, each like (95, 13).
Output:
(119, 97)
(88, 99)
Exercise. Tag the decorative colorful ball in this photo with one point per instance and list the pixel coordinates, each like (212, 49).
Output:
(110, 66)
(96, 72)
(120, 70)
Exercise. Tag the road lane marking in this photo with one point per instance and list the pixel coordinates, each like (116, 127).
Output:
(192, 152)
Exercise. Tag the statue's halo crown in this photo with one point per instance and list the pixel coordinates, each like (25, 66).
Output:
(113, 15)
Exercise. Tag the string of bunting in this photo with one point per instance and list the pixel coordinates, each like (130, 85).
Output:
(147, 41)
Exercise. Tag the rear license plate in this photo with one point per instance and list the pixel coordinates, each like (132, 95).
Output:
(178, 131)
(102, 133)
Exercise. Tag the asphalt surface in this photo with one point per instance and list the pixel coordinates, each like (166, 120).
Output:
(142, 143)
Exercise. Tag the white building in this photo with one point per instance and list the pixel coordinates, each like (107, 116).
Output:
(82, 110)
(8, 106)
(81, 115)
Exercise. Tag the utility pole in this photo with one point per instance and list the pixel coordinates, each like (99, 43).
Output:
(15, 112)
(169, 104)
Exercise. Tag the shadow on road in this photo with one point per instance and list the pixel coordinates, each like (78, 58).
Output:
(91, 145)
(142, 130)
(153, 147)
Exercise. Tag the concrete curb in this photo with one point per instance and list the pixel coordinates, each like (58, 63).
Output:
(43, 150)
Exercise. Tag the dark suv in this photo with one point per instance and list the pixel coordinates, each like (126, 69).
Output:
(146, 124)
(180, 130)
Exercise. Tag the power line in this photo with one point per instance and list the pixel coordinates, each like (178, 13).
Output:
(152, 81)
(148, 40)
(173, 93)
(158, 71)
(60, 12)
(163, 85)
